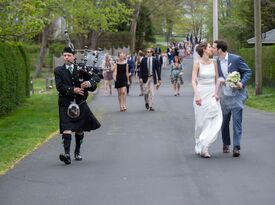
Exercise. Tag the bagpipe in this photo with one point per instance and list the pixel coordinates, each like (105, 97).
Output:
(86, 71)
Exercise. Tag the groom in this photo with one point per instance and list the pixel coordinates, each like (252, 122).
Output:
(227, 63)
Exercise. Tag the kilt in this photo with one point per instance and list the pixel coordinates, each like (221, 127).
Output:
(85, 122)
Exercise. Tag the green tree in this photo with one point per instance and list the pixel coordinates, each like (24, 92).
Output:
(196, 11)
(93, 17)
(165, 15)
(20, 19)
(144, 28)
(27, 18)
(236, 20)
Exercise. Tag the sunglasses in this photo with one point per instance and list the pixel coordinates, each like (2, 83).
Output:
(149, 51)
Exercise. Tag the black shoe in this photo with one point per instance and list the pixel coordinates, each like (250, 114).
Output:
(152, 109)
(147, 106)
(236, 153)
(65, 158)
(77, 157)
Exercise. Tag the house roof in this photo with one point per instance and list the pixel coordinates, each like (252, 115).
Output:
(267, 37)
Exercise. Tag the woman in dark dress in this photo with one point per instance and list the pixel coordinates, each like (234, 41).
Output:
(121, 77)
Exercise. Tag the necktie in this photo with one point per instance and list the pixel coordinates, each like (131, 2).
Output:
(71, 69)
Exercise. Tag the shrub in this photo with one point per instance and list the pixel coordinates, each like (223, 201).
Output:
(14, 76)
(268, 63)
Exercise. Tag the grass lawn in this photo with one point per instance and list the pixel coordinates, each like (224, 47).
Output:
(28, 126)
(263, 102)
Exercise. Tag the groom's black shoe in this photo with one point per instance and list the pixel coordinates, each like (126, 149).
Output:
(236, 153)
(226, 148)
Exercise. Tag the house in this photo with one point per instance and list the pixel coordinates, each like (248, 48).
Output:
(267, 38)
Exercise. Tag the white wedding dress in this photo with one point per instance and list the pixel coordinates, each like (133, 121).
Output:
(208, 116)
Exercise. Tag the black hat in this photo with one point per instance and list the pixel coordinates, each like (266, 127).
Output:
(68, 50)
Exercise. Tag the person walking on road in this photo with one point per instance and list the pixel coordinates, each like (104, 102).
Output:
(121, 77)
(138, 61)
(232, 103)
(74, 112)
(108, 74)
(131, 66)
(176, 75)
(149, 75)
(208, 113)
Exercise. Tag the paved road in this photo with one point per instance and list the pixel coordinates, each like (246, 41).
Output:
(147, 158)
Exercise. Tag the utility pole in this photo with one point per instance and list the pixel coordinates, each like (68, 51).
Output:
(215, 20)
(258, 46)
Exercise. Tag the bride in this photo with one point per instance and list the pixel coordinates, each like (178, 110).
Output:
(208, 114)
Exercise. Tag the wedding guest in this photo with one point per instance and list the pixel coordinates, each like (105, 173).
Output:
(121, 77)
(131, 66)
(108, 74)
(138, 61)
(149, 75)
(176, 75)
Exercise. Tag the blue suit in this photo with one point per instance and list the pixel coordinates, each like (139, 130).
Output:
(235, 63)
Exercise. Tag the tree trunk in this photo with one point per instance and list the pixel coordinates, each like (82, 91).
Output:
(80, 41)
(134, 26)
(94, 40)
(42, 54)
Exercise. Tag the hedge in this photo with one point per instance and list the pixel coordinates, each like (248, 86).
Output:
(268, 63)
(14, 76)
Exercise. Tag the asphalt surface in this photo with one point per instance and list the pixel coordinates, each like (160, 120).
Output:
(147, 158)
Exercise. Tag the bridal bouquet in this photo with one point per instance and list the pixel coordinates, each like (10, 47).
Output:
(231, 83)
(230, 96)
(233, 78)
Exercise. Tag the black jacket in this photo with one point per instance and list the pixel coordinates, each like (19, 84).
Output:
(65, 84)
(143, 74)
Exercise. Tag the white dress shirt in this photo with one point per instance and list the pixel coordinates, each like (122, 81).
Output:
(224, 65)
(149, 65)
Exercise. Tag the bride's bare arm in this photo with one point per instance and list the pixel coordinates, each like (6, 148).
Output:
(194, 83)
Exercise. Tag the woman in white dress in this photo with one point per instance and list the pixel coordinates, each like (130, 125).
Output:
(208, 113)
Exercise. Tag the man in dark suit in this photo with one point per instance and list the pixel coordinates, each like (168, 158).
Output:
(149, 75)
(74, 113)
(232, 105)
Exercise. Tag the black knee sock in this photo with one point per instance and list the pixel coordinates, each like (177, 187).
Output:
(67, 142)
(78, 142)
